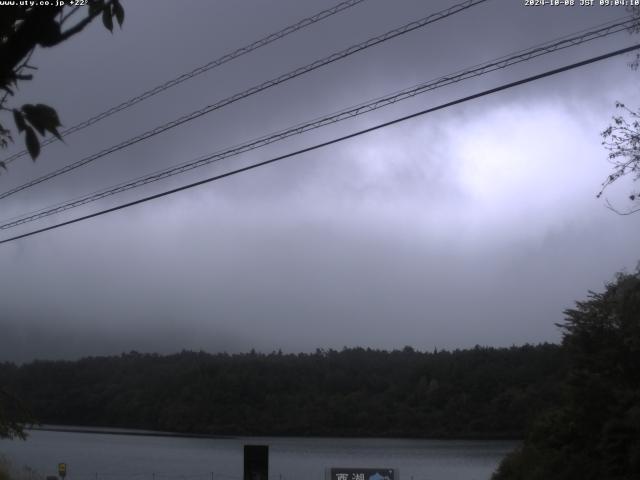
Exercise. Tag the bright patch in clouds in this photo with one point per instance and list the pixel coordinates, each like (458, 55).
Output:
(500, 174)
(527, 165)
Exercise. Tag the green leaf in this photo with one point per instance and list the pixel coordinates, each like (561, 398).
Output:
(19, 119)
(106, 18)
(43, 118)
(118, 11)
(51, 119)
(33, 116)
(33, 145)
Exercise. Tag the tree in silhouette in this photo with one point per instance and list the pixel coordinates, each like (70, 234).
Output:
(23, 29)
(594, 434)
(13, 415)
(622, 140)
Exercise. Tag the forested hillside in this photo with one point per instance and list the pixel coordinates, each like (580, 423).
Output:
(593, 433)
(481, 392)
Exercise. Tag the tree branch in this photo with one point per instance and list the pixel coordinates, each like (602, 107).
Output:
(68, 15)
(78, 27)
(27, 36)
(615, 210)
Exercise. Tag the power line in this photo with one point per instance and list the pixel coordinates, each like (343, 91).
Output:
(331, 142)
(409, 27)
(197, 71)
(493, 65)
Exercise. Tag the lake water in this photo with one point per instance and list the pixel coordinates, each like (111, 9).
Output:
(100, 456)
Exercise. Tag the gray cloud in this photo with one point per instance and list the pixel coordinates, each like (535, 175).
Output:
(475, 225)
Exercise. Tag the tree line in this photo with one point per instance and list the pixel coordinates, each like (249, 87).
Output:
(480, 392)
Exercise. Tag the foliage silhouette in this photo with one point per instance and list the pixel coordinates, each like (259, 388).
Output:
(594, 433)
(22, 29)
(622, 139)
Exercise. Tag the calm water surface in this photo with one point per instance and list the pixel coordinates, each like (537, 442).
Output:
(96, 456)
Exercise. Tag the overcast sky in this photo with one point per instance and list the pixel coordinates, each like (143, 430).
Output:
(477, 224)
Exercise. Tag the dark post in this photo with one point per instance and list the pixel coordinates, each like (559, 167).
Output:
(256, 462)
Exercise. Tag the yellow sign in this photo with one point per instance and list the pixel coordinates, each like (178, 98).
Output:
(62, 469)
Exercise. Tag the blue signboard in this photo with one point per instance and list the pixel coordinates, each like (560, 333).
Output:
(362, 474)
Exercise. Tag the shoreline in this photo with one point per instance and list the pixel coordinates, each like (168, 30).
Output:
(124, 431)
(154, 433)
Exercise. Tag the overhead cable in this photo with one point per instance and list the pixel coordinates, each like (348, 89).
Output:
(409, 27)
(195, 72)
(487, 67)
(330, 142)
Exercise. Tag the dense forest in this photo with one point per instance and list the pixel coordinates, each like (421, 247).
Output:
(593, 433)
(480, 392)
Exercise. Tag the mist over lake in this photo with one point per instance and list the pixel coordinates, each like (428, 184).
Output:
(94, 456)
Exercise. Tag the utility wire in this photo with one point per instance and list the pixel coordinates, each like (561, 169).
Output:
(487, 67)
(197, 71)
(251, 91)
(331, 142)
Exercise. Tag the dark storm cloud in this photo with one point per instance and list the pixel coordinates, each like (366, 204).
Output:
(473, 225)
